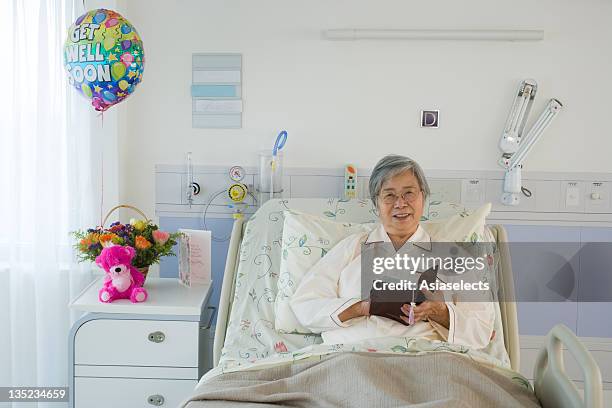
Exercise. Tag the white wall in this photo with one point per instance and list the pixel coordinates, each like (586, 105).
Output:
(356, 101)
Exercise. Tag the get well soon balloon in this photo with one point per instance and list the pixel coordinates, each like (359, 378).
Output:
(104, 57)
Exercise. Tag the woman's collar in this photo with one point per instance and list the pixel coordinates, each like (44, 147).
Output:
(420, 238)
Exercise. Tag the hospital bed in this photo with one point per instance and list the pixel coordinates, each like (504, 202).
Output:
(245, 336)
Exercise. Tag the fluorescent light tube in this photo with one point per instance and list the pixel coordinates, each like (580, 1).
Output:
(464, 35)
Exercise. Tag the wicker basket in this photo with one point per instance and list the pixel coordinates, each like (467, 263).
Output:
(144, 270)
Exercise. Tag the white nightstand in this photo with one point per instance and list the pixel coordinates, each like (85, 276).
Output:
(140, 355)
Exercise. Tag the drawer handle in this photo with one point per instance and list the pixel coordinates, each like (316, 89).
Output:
(157, 337)
(157, 400)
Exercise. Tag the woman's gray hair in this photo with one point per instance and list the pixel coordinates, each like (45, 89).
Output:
(390, 166)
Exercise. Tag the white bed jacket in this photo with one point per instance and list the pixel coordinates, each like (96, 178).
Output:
(334, 284)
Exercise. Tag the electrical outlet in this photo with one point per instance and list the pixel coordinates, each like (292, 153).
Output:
(573, 195)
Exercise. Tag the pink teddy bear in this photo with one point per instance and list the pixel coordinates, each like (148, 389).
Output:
(122, 280)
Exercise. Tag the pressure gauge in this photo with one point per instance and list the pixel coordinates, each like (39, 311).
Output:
(237, 173)
(237, 192)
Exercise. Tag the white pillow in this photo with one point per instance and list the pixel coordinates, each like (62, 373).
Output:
(462, 227)
(306, 239)
(471, 228)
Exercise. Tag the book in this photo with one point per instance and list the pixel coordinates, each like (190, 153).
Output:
(388, 302)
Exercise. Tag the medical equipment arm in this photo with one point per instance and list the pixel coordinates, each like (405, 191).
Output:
(551, 110)
(515, 150)
(511, 137)
(552, 385)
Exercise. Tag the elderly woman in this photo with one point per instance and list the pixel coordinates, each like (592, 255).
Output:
(328, 300)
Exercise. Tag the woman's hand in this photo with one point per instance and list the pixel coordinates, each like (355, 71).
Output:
(434, 308)
(361, 308)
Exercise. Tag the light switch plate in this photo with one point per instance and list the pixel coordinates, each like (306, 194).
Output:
(597, 196)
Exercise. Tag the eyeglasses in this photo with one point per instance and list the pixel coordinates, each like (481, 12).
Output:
(408, 197)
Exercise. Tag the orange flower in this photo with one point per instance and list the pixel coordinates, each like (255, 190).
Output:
(142, 243)
(85, 242)
(106, 237)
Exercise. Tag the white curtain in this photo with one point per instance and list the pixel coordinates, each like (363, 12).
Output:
(49, 186)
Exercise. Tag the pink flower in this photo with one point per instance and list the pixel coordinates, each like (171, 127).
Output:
(160, 237)
(280, 347)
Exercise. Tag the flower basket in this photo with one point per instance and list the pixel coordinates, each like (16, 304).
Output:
(144, 271)
(149, 242)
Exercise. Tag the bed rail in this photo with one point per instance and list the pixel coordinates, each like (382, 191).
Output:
(227, 288)
(506, 287)
(552, 385)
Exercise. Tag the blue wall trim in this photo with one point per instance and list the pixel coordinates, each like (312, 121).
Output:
(213, 91)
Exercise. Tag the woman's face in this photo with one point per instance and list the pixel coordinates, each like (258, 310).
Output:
(400, 204)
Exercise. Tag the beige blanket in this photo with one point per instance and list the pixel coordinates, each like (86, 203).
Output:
(368, 380)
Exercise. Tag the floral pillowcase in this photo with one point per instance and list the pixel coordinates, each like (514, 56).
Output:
(306, 239)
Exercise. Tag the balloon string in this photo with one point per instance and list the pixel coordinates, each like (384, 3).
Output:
(102, 174)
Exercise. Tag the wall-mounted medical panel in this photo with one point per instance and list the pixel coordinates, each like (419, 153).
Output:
(315, 186)
(173, 187)
(548, 197)
(445, 190)
(216, 91)
(213, 189)
(214, 181)
(556, 198)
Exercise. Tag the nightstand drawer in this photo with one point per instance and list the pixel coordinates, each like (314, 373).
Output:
(130, 392)
(137, 343)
